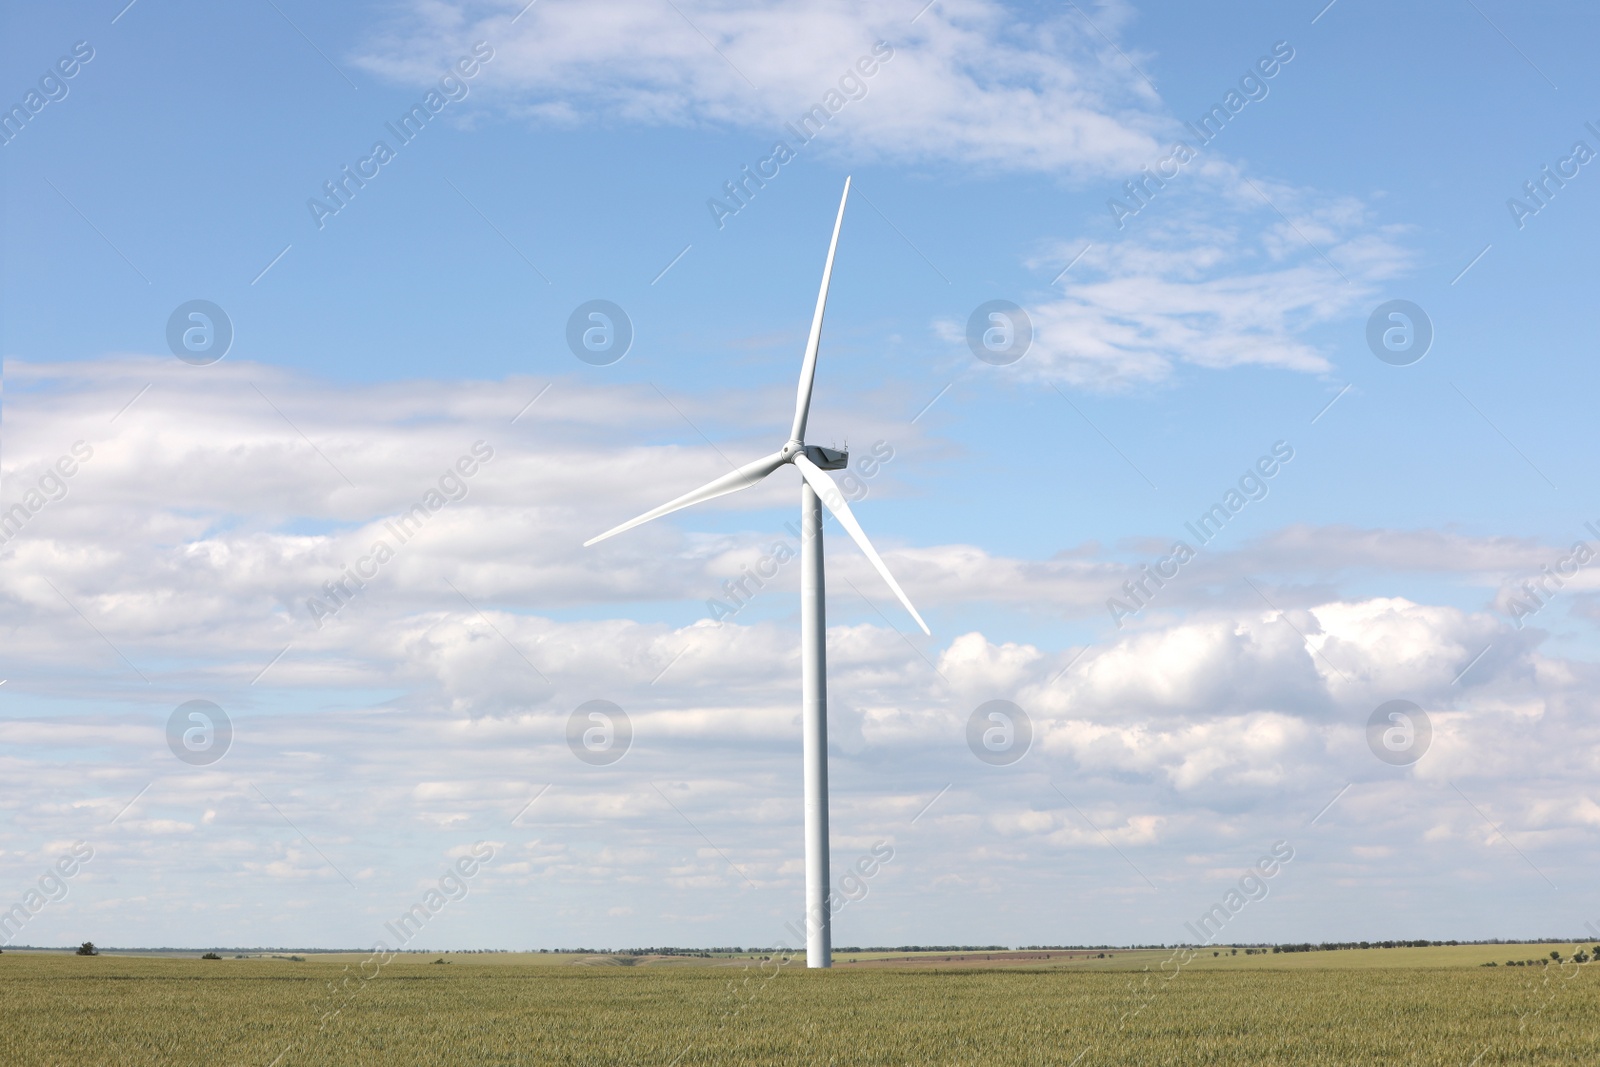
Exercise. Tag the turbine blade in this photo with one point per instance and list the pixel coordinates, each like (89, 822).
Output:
(834, 501)
(808, 369)
(732, 482)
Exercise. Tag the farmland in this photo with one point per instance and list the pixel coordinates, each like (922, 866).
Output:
(1395, 1006)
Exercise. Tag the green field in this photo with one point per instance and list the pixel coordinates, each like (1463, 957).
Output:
(1378, 1006)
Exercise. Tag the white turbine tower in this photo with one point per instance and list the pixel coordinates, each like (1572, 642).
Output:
(816, 489)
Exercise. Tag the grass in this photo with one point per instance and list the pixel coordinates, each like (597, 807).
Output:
(1321, 1008)
(1136, 959)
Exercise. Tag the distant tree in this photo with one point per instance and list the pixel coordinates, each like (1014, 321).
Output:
(1555, 955)
(211, 956)
(88, 949)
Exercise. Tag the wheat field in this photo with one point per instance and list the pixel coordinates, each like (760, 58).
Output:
(129, 1010)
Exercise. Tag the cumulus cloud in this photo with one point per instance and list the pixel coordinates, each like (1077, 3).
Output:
(431, 710)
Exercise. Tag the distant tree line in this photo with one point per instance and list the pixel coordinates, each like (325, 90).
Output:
(1330, 946)
(670, 950)
(1085, 948)
(926, 948)
(1579, 956)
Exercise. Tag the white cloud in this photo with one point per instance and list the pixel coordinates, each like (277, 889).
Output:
(1220, 270)
(1212, 277)
(412, 716)
(969, 81)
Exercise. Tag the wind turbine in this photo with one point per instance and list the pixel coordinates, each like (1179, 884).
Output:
(817, 489)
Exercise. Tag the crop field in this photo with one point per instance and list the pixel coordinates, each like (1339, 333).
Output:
(1399, 1006)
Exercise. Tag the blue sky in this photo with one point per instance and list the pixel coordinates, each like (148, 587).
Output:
(372, 351)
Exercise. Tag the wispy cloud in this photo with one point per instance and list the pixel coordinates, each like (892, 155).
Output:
(972, 82)
(1212, 278)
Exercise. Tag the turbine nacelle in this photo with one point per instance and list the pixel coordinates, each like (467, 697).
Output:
(828, 459)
